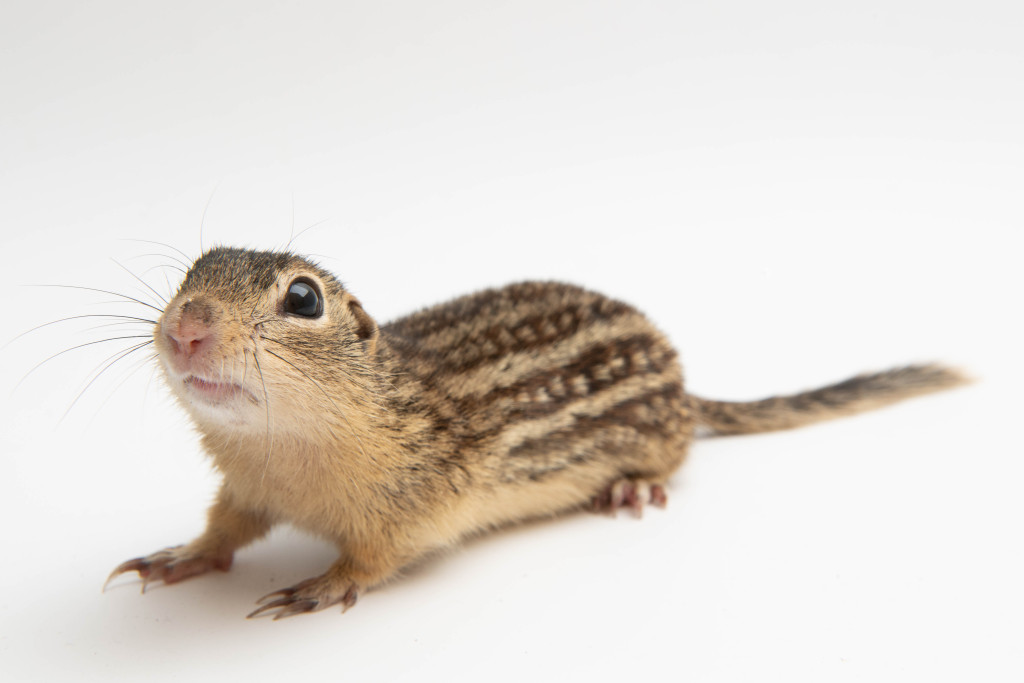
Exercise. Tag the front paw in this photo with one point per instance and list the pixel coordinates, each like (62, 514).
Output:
(310, 595)
(173, 564)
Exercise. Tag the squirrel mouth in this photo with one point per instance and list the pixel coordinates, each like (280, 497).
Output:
(215, 392)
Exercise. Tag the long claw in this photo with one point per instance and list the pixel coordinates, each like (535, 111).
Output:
(256, 612)
(300, 607)
(284, 593)
(349, 599)
(171, 565)
(307, 596)
(131, 565)
(287, 606)
(147, 578)
(262, 609)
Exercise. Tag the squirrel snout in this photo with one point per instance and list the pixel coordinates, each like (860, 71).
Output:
(187, 344)
(190, 336)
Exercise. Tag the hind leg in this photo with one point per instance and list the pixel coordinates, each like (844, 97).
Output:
(630, 493)
(640, 476)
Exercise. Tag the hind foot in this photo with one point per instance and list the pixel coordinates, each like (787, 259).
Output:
(631, 493)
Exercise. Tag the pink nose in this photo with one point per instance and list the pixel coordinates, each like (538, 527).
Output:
(191, 337)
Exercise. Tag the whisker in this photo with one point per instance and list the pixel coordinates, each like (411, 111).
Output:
(161, 244)
(270, 434)
(170, 290)
(113, 356)
(358, 381)
(353, 378)
(78, 346)
(159, 296)
(140, 363)
(103, 291)
(101, 327)
(303, 231)
(165, 265)
(202, 220)
(110, 364)
(77, 317)
(291, 228)
(177, 260)
(340, 412)
(149, 382)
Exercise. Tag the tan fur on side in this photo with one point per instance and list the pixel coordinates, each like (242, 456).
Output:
(395, 441)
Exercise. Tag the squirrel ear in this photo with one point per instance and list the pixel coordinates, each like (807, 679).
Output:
(366, 327)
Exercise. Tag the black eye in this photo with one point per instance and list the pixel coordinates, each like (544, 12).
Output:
(303, 299)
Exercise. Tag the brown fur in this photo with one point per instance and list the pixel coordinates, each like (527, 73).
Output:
(394, 441)
(855, 395)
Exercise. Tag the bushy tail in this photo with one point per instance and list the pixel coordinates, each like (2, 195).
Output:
(855, 395)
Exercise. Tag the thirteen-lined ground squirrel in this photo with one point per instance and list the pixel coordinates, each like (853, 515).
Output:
(394, 441)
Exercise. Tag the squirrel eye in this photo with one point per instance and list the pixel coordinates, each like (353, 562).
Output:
(303, 299)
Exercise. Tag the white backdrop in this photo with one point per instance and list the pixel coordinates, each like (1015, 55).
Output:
(793, 191)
